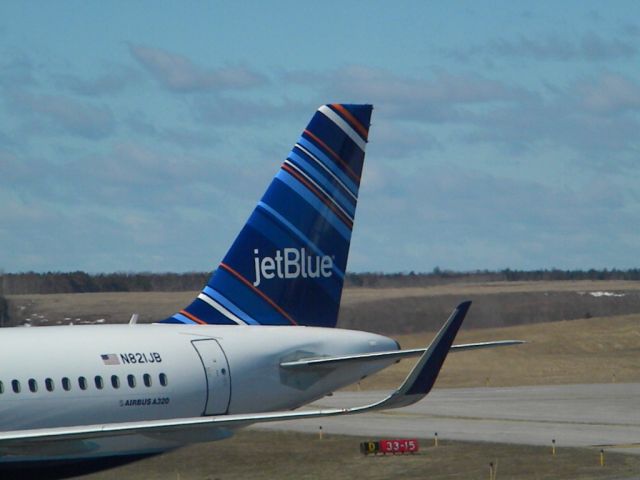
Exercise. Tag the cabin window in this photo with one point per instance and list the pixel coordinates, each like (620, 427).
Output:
(82, 383)
(48, 383)
(131, 380)
(1, 387)
(15, 385)
(33, 385)
(66, 384)
(99, 382)
(147, 379)
(163, 379)
(115, 381)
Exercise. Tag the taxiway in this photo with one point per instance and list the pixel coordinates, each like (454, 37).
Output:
(596, 415)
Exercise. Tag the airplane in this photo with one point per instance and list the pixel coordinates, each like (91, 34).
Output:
(256, 343)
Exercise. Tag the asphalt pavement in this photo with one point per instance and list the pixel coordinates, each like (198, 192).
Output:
(596, 415)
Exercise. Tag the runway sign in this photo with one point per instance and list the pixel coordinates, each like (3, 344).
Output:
(393, 446)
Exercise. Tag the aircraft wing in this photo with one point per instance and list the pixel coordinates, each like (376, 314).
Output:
(417, 384)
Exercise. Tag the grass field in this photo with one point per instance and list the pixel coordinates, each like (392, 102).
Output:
(596, 350)
(358, 295)
(383, 310)
(262, 455)
(495, 304)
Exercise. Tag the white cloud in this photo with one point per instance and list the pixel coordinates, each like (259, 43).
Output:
(590, 47)
(443, 90)
(185, 137)
(464, 218)
(17, 72)
(180, 74)
(225, 111)
(58, 113)
(595, 118)
(114, 81)
(609, 94)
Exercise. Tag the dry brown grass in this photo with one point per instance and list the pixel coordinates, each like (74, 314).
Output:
(116, 307)
(360, 295)
(497, 304)
(596, 350)
(261, 455)
(384, 310)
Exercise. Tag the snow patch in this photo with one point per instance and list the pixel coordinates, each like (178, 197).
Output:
(599, 294)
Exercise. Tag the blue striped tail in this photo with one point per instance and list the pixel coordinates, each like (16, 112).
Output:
(287, 265)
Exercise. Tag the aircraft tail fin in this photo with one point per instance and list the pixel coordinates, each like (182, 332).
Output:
(287, 265)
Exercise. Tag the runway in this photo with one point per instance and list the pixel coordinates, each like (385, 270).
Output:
(596, 415)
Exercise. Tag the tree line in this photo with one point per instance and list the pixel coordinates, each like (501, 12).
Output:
(439, 276)
(4, 311)
(82, 282)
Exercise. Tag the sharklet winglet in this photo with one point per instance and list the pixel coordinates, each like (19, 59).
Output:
(423, 375)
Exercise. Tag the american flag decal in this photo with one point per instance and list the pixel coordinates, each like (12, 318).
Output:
(110, 359)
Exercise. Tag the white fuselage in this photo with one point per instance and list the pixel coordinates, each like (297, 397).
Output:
(82, 375)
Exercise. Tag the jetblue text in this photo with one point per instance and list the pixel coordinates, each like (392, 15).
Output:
(291, 263)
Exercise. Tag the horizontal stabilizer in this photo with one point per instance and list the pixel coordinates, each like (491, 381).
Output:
(479, 345)
(391, 355)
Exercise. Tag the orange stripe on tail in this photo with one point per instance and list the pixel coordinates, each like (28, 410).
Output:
(264, 297)
(353, 121)
(192, 317)
(346, 166)
(320, 195)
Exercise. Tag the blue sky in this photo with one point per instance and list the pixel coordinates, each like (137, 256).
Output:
(138, 136)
